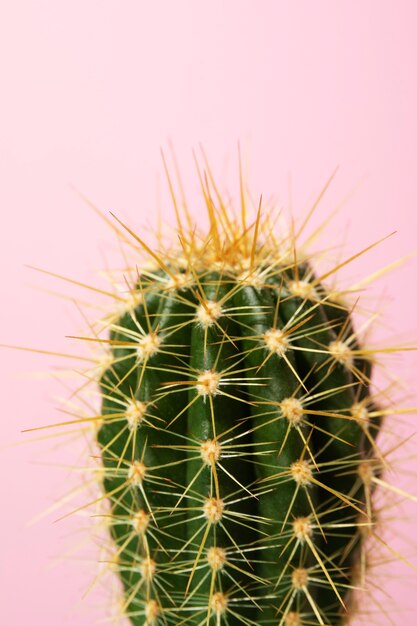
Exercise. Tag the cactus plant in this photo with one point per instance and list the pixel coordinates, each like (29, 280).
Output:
(238, 432)
(238, 428)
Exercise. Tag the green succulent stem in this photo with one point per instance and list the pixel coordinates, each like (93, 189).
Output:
(230, 450)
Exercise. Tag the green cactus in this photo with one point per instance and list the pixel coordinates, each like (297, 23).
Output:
(237, 435)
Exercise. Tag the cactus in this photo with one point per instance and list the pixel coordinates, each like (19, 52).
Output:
(238, 432)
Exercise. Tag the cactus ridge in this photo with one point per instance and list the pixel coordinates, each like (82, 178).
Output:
(238, 434)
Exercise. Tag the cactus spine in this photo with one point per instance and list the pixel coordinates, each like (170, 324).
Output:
(238, 434)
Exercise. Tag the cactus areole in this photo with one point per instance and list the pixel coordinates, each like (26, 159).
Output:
(238, 433)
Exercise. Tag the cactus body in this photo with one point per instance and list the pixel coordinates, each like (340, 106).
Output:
(236, 440)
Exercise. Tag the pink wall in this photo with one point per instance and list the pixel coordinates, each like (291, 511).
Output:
(90, 89)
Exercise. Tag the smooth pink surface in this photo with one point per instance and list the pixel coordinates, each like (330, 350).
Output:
(90, 90)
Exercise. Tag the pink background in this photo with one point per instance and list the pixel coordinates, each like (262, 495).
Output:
(90, 90)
